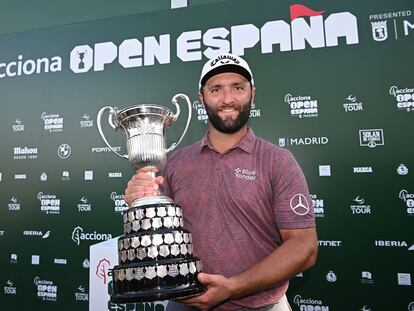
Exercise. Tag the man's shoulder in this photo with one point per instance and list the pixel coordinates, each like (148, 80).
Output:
(185, 152)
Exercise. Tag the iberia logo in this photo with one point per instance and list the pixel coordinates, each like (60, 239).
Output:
(102, 269)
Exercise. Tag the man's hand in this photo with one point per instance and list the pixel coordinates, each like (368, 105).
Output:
(219, 289)
(142, 185)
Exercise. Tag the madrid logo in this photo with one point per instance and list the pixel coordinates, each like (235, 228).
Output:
(299, 204)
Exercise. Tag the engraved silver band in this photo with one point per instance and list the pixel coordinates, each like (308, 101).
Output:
(150, 272)
(169, 222)
(151, 212)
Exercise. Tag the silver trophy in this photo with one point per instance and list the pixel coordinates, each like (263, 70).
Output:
(155, 253)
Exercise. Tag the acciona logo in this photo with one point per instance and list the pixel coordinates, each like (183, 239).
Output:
(318, 206)
(302, 106)
(78, 236)
(52, 122)
(119, 202)
(309, 303)
(404, 97)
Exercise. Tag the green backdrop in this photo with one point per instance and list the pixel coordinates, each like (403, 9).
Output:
(349, 68)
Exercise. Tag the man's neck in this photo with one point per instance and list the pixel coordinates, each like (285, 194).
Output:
(222, 141)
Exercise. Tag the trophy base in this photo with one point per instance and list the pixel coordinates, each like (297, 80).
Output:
(158, 294)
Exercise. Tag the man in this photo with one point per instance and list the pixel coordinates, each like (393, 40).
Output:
(244, 200)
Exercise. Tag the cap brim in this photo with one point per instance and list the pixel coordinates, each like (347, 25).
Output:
(226, 68)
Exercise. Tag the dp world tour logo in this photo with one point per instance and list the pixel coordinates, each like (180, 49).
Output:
(102, 269)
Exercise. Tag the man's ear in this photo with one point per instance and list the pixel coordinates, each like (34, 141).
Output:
(200, 95)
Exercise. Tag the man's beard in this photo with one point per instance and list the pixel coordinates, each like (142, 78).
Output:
(229, 126)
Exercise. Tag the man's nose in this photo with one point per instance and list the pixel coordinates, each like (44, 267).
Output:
(228, 96)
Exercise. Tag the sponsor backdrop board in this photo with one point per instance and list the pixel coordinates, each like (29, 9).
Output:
(334, 86)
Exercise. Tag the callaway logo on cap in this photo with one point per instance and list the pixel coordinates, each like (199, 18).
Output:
(225, 63)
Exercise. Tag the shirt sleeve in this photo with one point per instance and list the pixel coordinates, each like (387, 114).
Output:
(292, 204)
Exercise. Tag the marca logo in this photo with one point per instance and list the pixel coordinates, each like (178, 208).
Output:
(102, 269)
(52, 122)
(351, 104)
(303, 141)
(132, 53)
(18, 126)
(318, 206)
(371, 138)
(362, 169)
(115, 175)
(78, 235)
(404, 97)
(309, 304)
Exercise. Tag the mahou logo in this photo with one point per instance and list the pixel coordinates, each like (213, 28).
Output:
(102, 269)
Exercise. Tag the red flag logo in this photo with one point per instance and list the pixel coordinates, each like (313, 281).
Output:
(299, 10)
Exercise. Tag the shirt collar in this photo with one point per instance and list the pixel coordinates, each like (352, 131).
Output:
(246, 143)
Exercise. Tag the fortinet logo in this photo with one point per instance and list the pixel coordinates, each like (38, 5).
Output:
(362, 169)
(105, 149)
(328, 243)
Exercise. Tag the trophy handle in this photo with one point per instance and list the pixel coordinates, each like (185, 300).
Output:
(175, 117)
(112, 113)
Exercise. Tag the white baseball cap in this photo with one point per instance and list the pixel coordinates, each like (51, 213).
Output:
(225, 63)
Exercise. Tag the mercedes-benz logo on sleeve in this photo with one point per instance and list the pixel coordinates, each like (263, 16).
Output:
(299, 204)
